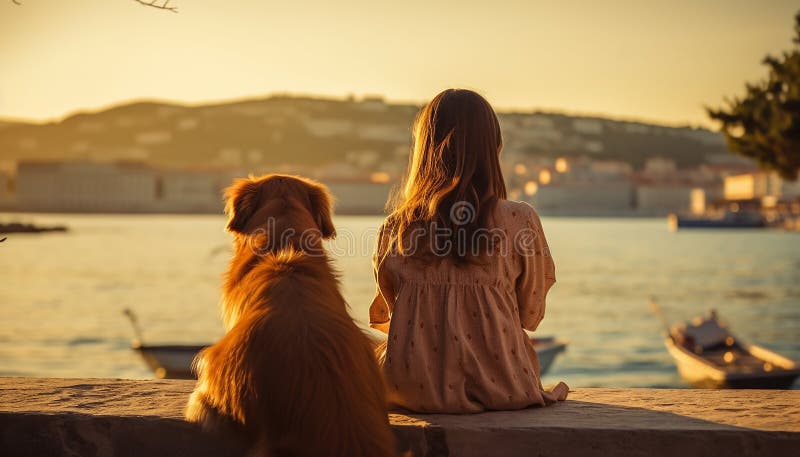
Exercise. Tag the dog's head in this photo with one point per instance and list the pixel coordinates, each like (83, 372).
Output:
(282, 207)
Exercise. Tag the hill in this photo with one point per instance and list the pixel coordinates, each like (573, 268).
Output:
(306, 131)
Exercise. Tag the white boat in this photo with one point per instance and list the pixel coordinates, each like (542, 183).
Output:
(708, 355)
(169, 361)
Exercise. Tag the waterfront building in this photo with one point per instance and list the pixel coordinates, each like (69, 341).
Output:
(85, 186)
(6, 194)
(609, 169)
(750, 186)
(358, 196)
(584, 198)
(194, 191)
(663, 198)
(659, 167)
(5, 185)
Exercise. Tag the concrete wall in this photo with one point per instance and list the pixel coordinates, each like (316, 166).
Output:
(91, 417)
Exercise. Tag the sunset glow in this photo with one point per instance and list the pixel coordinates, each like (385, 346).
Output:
(623, 59)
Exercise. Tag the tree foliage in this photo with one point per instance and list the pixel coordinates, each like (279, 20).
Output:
(765, 124)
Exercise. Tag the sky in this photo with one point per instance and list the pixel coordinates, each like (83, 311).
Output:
(657, 61)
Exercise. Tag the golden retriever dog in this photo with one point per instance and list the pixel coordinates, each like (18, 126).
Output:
(293, 375)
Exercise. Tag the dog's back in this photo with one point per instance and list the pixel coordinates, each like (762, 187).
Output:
(294, 372)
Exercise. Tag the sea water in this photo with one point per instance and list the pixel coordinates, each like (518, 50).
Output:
(62, 294)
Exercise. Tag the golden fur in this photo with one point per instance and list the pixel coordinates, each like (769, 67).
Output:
(293, 375)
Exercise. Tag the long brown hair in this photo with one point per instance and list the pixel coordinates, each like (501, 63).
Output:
(454, 177)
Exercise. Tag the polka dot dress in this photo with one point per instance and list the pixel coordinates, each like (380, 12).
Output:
(456, 342)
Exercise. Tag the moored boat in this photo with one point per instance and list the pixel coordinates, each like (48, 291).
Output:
(175, 361)
(729, 219)
(708, 355)
(167, 361)
(547, 348)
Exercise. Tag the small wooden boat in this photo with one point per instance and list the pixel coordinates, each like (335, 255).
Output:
(175, 361)
(547, 348)
(167, 361)
(708, 355)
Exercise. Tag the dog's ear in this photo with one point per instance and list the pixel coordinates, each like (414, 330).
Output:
(321, 202)
(241, 202)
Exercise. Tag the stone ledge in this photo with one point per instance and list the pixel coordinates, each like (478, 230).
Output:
(98, 417)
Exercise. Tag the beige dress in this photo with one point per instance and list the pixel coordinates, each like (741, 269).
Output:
(456, 342)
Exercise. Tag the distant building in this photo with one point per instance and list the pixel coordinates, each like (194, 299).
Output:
(662, 199)
(636, 128)
(587, 126)
(532, 129)
(329, 127)
(6, 196)
(338, 172)
(760, 185)
(699, 198)
(538, 121)
(593, 146)
(373, 103)
(790, 190)
(193, 191)
(5, 185)
(585, 169)
(152, 138)
(705, 136)
(611, 169)
(392, 133)
(363, 159)
(749, 186)
(85, 186)
(358, 196)
(584, 198)
(657, 167)
(731, 160)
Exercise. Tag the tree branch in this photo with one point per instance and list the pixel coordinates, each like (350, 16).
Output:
(154, 4)
(151, 3)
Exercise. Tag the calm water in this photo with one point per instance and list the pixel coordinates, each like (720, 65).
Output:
(62, 295)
